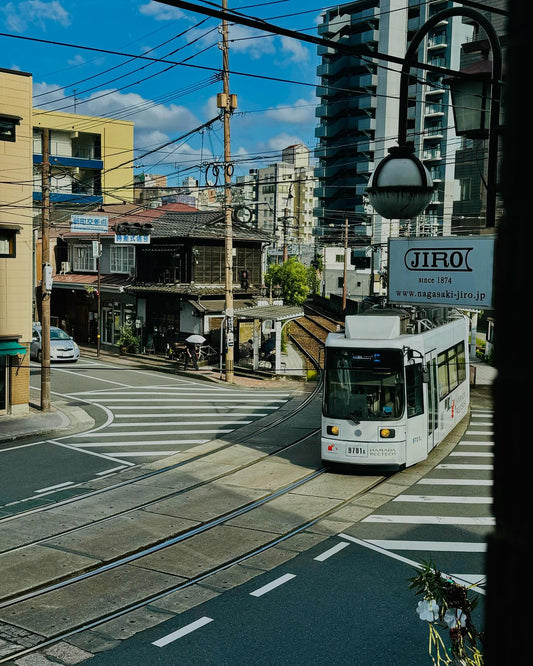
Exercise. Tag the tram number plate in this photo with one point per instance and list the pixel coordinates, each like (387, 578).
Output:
(360, 450)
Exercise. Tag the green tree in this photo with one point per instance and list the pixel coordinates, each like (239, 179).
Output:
(293, 278)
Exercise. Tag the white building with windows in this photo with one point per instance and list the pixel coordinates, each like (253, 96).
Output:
(280, 198)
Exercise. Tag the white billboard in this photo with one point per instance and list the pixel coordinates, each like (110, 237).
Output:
(442, 271)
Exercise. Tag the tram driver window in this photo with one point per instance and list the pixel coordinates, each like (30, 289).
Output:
(415, 395)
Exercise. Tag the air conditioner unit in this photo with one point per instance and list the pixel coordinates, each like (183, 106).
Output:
(65, 267)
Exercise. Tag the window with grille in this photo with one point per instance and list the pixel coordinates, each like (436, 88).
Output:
(122, 259)
(82, 258)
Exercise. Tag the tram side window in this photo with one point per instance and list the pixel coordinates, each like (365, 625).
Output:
(415, 395)
(452, 369)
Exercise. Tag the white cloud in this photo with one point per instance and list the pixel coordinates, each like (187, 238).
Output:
(77, 60)
(297, 51)
(18, 15)
(161, 12)
(282, 140)
(301, 112)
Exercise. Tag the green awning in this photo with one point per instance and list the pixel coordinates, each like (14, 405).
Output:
(11, 348)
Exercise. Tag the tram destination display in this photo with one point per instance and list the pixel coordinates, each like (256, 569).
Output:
(442, 271)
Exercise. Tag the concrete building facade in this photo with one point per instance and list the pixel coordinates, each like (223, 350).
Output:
(16, 240)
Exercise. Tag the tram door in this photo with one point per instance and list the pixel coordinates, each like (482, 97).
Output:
(433, 400)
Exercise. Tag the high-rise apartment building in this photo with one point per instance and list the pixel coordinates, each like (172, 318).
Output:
(358, 111)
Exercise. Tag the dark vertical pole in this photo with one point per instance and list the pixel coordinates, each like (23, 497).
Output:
(98, 302)
(510, 583)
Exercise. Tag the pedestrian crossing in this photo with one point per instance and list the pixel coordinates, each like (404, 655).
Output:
(444, 517)
(161, 420)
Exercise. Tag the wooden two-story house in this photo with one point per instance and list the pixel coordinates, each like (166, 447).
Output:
(168, 288)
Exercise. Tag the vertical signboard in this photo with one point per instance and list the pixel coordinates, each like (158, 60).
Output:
(442, 271)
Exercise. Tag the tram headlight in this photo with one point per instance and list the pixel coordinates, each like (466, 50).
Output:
(333, 430)
(387, 433)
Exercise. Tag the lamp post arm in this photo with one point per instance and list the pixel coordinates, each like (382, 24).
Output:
(410, 59)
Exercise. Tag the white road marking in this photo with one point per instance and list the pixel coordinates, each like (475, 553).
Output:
(478, 443)
(56, 487)
(437, 546)
(472, 454)
(270, 586)
(456, 482)
(133, 454)
(110, 471)
(203, 400)
(400, 558)
(331, 551)
(175, 635)
(185, 408)
(78, 447)
(430, 520)
(465, 467)
(130, 424)
(145, 433)
(158, 442)
(445, 499)
(158, 415)
(479, 432)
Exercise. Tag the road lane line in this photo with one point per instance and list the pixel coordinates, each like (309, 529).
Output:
(175, 635)
(271, 586)
(56, 487)
(157, 442)
(138, 424)
(465, 467)
(331, 551)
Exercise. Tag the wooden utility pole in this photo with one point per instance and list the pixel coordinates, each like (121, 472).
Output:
(227, 103)
(345, 274)
(46, 273)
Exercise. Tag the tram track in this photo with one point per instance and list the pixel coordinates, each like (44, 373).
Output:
(111, 612)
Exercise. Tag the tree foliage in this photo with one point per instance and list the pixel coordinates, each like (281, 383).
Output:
(293, 278)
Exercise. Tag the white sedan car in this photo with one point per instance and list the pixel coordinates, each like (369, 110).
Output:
(62, 346)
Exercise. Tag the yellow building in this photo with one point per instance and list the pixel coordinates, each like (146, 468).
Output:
(16, 239)
(91, 158)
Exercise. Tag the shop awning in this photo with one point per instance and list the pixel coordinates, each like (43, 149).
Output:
(11, 348)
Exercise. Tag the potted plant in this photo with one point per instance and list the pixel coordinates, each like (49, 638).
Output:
(127, 342)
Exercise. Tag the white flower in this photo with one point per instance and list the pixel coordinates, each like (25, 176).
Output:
(454, 617)
(428, 610)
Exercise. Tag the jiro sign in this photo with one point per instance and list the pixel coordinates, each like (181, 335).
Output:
(442, 271)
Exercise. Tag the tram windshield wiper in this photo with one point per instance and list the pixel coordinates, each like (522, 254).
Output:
(354, 419)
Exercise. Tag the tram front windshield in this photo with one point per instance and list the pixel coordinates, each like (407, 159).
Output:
(364, 384)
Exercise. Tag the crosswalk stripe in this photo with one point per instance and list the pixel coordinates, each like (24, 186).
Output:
(159, 442)
(443, 499)
(131, 424)
(471, 454)
(437, 546)
(430, 520)
(145, 433)
(455, 482)
(464, 467)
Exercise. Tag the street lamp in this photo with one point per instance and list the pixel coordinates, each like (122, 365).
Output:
(400, 187)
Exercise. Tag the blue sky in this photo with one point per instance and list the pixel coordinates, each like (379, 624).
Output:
(166, 101)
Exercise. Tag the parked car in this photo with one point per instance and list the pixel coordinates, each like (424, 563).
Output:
(62, 346)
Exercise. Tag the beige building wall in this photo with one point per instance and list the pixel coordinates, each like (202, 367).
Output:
(16, 214)
(116, 138)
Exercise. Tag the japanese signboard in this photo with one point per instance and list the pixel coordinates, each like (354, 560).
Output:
(91, 224)
(442, 271)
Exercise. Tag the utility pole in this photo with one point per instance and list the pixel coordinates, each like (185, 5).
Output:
(227, 103)
(345, 274)
(46, 277)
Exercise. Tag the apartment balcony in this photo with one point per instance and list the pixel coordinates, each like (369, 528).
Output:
(434, 110)
(432, 155)
(71, 162)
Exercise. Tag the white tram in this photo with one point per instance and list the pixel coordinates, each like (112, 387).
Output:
(394, 387)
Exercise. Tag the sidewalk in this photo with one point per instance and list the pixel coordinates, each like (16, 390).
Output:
(64, 418)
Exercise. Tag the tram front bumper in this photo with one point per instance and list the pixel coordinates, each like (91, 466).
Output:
(383, 454)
